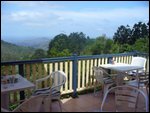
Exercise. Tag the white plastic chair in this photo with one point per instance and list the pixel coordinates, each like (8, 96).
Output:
(138, 61)
(104, 78)
(125, 98)
(58, 79)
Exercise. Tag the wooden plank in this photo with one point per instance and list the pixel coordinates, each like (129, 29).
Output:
(99, 62)
(106, 60)
(34, 72)
(87, 73)
(28, 77)
(103, 61)
(66, 71)
(39, 70)
(91, 72)
(79, 74)
(83, 73)
(61, 68)
(50, 68)
(13, 69)
(56, 66)
(6, 70)
(70, 76)
(45, 69)
(45, 74)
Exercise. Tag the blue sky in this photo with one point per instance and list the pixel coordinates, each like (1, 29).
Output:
(22, 20)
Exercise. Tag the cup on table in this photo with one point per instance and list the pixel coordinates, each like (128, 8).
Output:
(12, 80)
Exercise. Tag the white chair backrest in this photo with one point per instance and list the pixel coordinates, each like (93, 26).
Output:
(121, 96)
(139, 61)
(99, 74)
(58, 79)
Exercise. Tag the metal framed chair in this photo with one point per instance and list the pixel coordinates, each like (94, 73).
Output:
(39, 103)
(143, 79)
(126, 98)
(104, 78)
(58, 79)
(138, 61)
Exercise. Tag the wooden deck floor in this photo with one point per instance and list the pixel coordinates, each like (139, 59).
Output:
(89, 103)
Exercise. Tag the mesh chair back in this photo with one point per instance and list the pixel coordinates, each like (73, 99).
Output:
(126, 98)
(139, 61)
(58, 79)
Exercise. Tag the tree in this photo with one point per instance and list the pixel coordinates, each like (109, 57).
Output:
(57, 45)
(60, 42)
(102, 45)
(139, 30)
(39, 53)
(77, 42)
(142, 45)
(122, 35)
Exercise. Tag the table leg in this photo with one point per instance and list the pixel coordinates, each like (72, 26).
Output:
(119, 79)
(5, 101)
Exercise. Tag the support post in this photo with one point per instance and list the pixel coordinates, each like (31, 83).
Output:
(75, 67)
(21, 72)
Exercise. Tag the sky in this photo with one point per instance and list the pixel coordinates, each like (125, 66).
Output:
(21, 20)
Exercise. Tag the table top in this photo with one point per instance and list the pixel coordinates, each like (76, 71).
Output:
(122, 67)
(21, 84)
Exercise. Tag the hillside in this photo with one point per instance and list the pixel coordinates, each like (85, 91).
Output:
(38, 43)
(12, 52)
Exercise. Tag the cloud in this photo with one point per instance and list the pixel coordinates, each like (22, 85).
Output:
(118, 14)
(25, 15)
(47, 16)
(26, 3)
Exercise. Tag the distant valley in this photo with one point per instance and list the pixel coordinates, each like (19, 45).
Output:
(22, 50)
(12, 52)
(38, 43)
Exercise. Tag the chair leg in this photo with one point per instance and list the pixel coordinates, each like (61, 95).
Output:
(95, 86)
(60, 105)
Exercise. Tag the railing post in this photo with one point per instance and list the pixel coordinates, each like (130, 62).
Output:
(21, 72)
(109, 61)
(135, 53)
(75, 67)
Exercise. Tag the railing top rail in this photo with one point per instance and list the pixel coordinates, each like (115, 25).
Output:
(61, 59)
(105, 55)
(58, 59)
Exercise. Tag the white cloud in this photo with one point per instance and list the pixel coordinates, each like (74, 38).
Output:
(26, 3)
(82, 16)
(67, 20)
(25, 15)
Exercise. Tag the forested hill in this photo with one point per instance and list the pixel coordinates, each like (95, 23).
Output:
(11, 52)
(38, 43)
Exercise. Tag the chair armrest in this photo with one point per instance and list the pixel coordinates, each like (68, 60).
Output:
(40, 80)
(58, 85)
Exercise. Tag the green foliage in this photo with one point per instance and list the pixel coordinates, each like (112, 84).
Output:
(102, 45)
(11, 52)
(55, 53)
(142, 45)
(125, 39)
(77, 42)
(39, 53)
(63, 45)
(125, 35)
